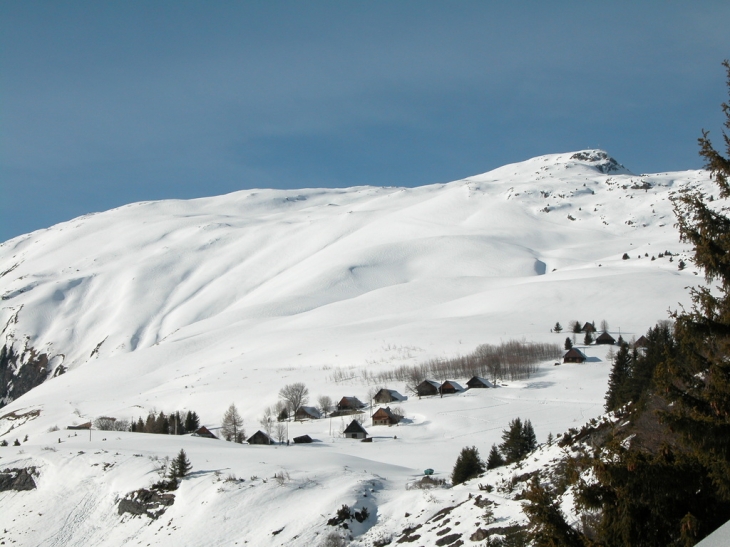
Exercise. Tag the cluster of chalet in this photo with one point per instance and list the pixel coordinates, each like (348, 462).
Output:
(431, 387)
(574, 355)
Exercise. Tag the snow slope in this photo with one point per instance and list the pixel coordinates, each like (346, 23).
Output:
(195, 304)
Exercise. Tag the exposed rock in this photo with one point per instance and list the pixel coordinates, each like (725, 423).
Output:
(19, 373)
(17, 479)
(479, 535)
(146, 502)
(452, 540)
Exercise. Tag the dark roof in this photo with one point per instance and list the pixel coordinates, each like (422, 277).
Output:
(303, 439)
(453, 384)
(479, 380)
(642, 342)
(387, 412)
(351, 401)
(393, 394)
(588, 327)
(355, 427)
(434, 383)
(574, 353)
(605, 338)
(309, 411)
(204, 432)
(259, 435)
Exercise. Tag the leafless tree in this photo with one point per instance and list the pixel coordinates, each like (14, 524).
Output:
(324, 402)
(267, 421)
(232, 425)
(280, 432)
(604, 325)
(295, 395)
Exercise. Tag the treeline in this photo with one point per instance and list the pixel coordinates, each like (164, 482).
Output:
(167, 424)
(511, 360)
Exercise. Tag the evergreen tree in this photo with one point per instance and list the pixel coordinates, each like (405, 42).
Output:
(558, 327)
(468, 465)
(568, 343)
(180, 466)
(512, 442)
(618, 380)
(529, 440)
(588, 339)
(698, 380)
(495, 459)
(149, 424)
(576, 327)
(140, 426)
(548, 527)
(192, 422)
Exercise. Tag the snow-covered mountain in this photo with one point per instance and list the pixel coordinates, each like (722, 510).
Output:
(176, 305)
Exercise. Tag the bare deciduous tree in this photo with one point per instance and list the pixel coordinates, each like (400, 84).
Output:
(604, 325)
(267, 421)
(280, 432)
(324, 402)
(295, 395)
(232, 425)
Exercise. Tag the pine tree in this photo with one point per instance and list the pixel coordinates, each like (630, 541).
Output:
(588, 339)
(698, 381)
(495, 459)
(558, 327)
(468, 465)
(192, 422)
(512, 441)
(180, 466)
(568, 343)
(618, 388)
(529, 440)
(576, 327)
(548, 527)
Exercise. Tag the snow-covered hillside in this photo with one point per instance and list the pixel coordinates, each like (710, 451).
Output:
(196, 304)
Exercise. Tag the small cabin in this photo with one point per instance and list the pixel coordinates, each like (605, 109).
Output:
(307, 413)
(204, 432)
(588, 327)
(388, 396)
(642, 342)
(383, 416)
(428, 387)
(355, 431)
(478, 382)
(87, 425)
(259, 438)
(605, 339)
(302, 439)
(449, 386)
(350, 403)
(574, 355)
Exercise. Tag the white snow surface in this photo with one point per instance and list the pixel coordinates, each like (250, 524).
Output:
(177, 305)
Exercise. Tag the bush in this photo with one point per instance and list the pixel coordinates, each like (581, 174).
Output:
(468, 465)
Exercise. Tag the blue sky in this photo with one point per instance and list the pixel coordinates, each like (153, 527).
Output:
(106, 103)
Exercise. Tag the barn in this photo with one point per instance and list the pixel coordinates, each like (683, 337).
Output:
(307, 413)
(259, 438)
(383, 416)
(605, 339)
(350, 403)
(428, 387)
(479, 382)
(388, 396)
(574, 355)
(449, 386)
(204, 432)
(302, 439)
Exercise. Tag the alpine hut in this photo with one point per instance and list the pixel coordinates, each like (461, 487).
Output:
(355, 431)
(428, 387)
(605, 339)
(388, 396)
(259, 438)
(449, 386)
(574, 355)
(479, 382)
(350, 404)
(588, 327)
(383, 416)
(302, 439)
(306, 413)
(204, 432)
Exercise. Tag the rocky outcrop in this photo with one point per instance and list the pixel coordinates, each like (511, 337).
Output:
(17, 479)
(20, 372)
(146, 502)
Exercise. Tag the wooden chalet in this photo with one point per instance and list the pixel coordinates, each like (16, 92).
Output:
(383, 416)
(588, 327)
(428, 387)
(259, 438)
(204, 432)
(350, 403)
(307, 413)
(302, 439)
(605, 339)
(355, 431)
(449, 386)
(87, 425)
(642, 342)
(479, 382)
(574, 355)
(388, 396)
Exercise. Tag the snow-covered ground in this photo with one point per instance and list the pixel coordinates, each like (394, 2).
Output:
(178, 305)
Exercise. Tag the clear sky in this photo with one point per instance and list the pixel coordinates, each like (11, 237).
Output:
(106, 103)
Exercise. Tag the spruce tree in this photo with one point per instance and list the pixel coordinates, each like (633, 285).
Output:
(698, 380)
(618, 380)
(192, 422)
(547, 527)
(468, 465)
(495, 458)
(180, 466)
(529, 440)
(558, 327)
(568, 343)
(512, 441)
(588, 339)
